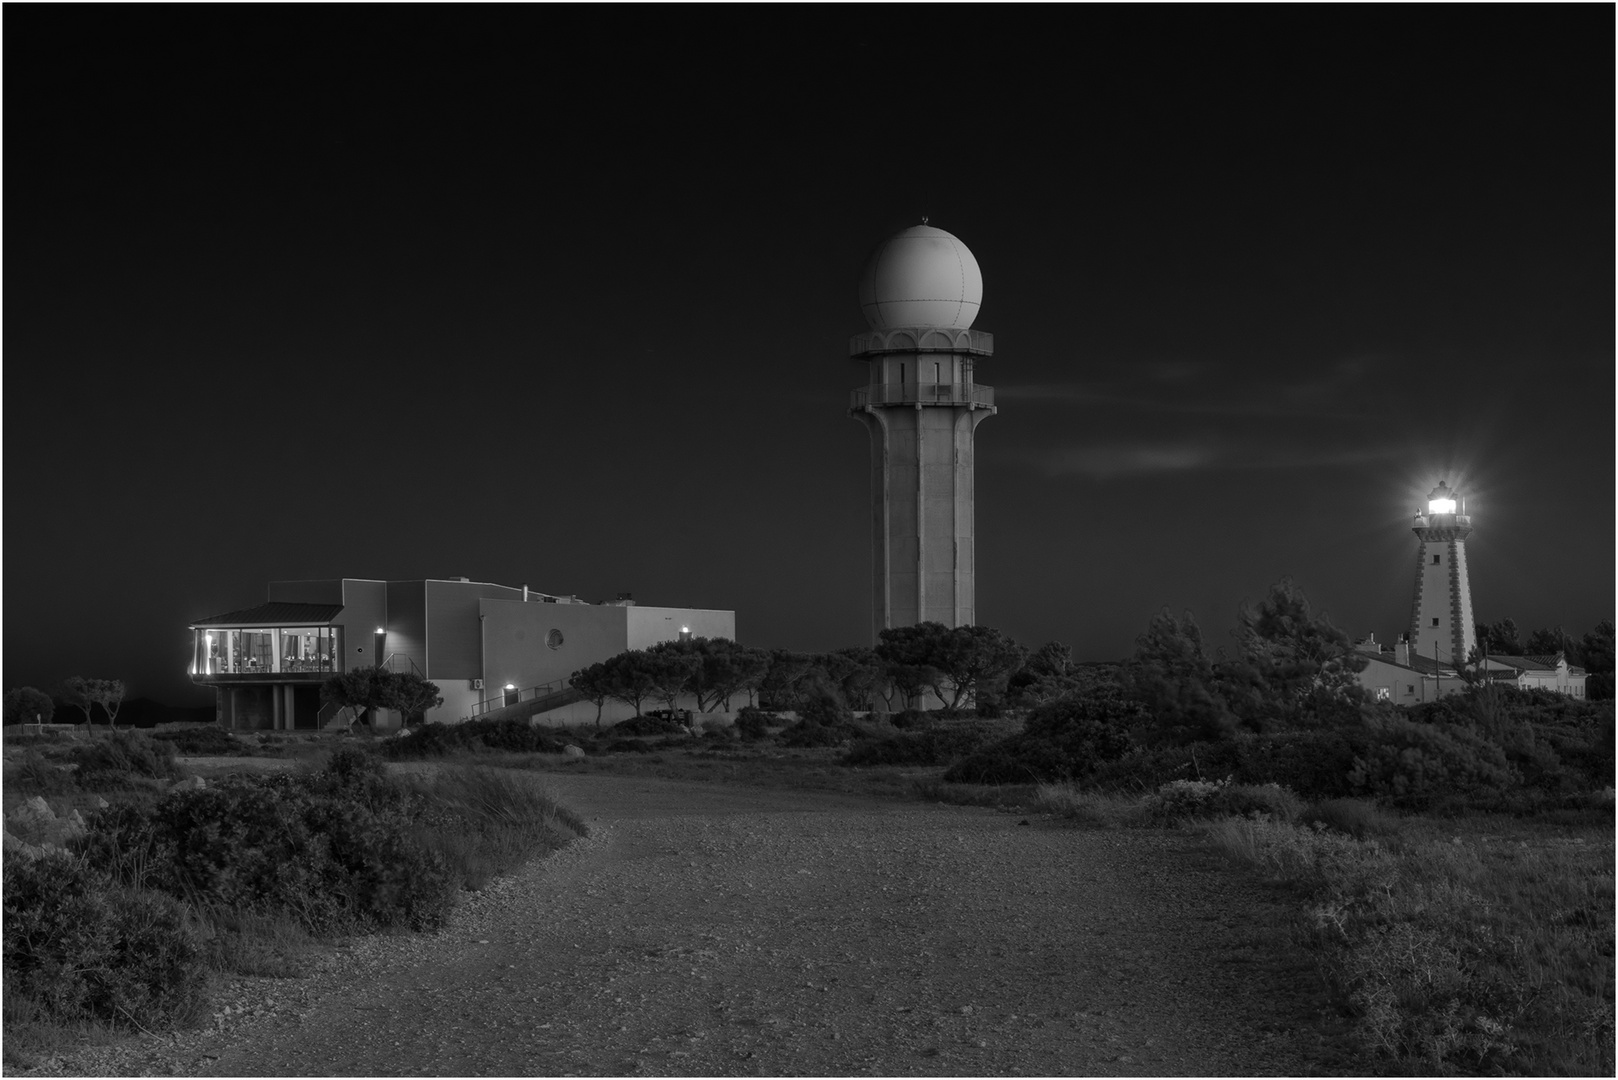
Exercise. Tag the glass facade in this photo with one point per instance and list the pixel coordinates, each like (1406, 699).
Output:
(290, 650)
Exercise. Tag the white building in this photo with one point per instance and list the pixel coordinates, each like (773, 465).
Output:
(485, 646)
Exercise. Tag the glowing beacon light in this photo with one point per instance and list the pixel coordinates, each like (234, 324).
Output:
(1441, 500)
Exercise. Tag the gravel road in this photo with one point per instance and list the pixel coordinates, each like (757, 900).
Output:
(706, 930)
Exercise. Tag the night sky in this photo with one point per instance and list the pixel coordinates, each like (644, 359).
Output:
(563, 297)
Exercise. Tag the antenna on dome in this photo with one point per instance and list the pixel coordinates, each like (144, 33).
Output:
(924, 219)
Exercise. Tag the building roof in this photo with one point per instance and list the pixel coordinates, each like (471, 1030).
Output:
(1528, 663)
(1428, 666)
(279, 613)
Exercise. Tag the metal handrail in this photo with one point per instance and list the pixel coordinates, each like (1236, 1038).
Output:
(389, 664)
(926, 393)
(527, 694)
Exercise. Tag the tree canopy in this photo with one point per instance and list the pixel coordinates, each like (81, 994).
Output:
(954, 661)
(26, 705)
(1174, 677)
(367, 689)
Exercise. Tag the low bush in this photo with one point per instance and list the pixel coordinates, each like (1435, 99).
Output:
(909, 719)
(627, 746)
(480, 823)
(79, 947)
(1061, 740)
(1459, 952)
(439, 739)
(1180, 800)
(939, 746)
(753, 724)
(38, 775)
(107, 761)
(208, 741)
(646, 725)
(809, 733)
(1351, 817)
(1413, 764)
(1086, 806)
(307, 846)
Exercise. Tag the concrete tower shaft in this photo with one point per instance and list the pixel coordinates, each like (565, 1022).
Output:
(922, 405)
(1442, 625)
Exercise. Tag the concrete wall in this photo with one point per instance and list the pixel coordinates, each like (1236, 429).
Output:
(515, 648)
(365, 607)
(1402, 684)
(406, 624)
(583, 713)
(650, 625)
(453, 608)
(923, 504)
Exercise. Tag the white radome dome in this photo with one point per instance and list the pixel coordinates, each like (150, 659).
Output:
(921, 277)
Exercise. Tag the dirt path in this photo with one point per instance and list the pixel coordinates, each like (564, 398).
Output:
(730, 931)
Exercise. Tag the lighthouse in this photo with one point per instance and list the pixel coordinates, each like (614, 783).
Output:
(920, 292)
(1441, 623)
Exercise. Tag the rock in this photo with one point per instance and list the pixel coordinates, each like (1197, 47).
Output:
(17, 846)
(32, 819)
(572, 751)
(190, 783)
(102, 804)
(72, 826)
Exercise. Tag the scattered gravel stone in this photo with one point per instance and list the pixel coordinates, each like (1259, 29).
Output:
(617, 955)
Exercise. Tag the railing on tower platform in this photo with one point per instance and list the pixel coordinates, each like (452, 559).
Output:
(927, 393)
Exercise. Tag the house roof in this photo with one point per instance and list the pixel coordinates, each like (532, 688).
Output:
(1528, 663)
(1428, 666)
(280, 613)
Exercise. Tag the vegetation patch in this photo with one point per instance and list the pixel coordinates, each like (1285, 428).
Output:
(206, 741)
(1477, 947)
(243, 876)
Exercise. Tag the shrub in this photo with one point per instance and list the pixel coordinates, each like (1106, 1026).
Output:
(753, 724)
(1314, 762)
(280, 843)
(1061, 740)
(438, 739)
(203, 741)
(483, 822)
(937, 747)
(80, 947)
(647, 725)
(1351, 817)
(1179, 800)
(1413, 764)
(806, 733)
(909, 719)
(627, 746)
(121, 755)
(825, 710)
(36, 774)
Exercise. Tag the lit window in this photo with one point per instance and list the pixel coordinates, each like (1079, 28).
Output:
(1383, 693)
